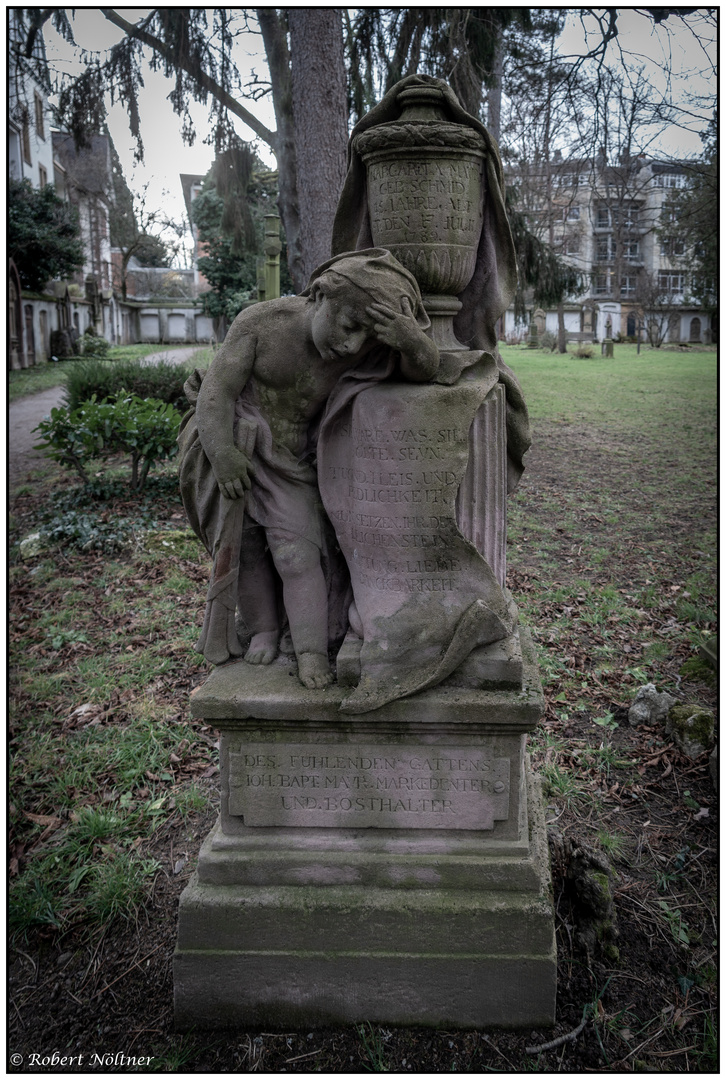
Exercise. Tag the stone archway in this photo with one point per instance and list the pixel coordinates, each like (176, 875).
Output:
(694, 333)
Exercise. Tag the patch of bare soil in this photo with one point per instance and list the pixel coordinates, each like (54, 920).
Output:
(108, 999)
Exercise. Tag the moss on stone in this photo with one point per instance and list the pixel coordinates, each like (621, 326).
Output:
(691, 727)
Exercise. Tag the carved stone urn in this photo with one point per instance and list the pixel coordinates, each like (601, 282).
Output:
(425, 199)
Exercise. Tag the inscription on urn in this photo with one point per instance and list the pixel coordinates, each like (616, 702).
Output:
(425, 198)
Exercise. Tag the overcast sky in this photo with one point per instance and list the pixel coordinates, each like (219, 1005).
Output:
(668, 48)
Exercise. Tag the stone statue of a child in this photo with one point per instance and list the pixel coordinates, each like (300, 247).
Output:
(250, 494)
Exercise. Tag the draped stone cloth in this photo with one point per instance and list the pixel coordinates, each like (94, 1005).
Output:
(493, 284)
(424, 596)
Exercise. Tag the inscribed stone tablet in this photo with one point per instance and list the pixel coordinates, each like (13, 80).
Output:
(389, 469)
(379, 787)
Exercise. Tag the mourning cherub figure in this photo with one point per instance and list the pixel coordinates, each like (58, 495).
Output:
(248, 483)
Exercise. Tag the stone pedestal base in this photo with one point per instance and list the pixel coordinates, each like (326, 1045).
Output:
(389, 867)
(301, 955)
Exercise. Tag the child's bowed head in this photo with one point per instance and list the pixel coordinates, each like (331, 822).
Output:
(377, 274)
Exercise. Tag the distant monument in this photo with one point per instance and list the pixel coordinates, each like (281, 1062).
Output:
(381, 851)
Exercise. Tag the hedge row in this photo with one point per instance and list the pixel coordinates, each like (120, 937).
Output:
(105, 380)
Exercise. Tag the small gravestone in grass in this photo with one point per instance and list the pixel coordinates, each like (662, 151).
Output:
(381, 849)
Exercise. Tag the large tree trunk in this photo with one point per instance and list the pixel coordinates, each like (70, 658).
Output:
(320, 117)
(561, 334)
(494, 94)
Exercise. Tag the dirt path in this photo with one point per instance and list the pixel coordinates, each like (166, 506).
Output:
(25, 413)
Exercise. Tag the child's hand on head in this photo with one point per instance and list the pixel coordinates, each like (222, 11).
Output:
(398, 329)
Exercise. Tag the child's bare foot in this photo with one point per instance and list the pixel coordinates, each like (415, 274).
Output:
(263, 648)
(313, 670)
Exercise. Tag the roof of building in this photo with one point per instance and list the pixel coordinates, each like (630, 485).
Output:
(188, 180)
(88, 169)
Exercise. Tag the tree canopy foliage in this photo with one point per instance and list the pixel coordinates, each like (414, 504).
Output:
(229, 214)
(460, 45)
(193, 47)
(539, 267)
(44, 237)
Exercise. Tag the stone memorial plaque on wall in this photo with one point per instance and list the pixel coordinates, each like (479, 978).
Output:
(379, 787)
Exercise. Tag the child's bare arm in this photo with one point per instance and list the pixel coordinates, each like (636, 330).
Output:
(399, 329)
(227, 376)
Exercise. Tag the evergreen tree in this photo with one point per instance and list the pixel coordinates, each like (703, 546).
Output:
(539, 267)
(44, 237)
(229, 214)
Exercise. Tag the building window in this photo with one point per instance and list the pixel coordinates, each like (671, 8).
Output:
(27, 157)
(602, 218)
(670, 180)
(628, 285)
(568, 180)
(671, 248)
(14, 152)
(571, 245)
(601, 284)
(39, 124)
(605, 249)
(59, 179)
(43, 176)
(631, 250)
(671, 283)
(571, 213)
(629, 216)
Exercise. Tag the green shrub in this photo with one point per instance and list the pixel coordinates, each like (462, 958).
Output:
(93, 345)
(145, 428)
(548, 340)
(69, 439)
(111, 380)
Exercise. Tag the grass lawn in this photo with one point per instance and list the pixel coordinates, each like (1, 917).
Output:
(44, 376)
(612, 561)
(653, 387)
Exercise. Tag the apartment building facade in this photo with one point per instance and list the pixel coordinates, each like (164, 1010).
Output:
(163, 306)
(607, 222)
